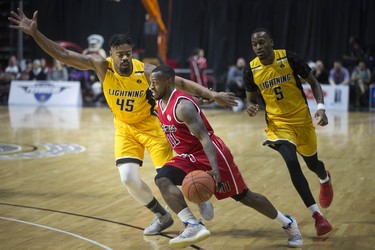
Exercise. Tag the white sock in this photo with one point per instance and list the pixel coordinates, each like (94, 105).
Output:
(282, 219)
(324, 180)
(186, 216)
(314, 208)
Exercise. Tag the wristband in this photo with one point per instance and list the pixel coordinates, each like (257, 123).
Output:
(321, 106)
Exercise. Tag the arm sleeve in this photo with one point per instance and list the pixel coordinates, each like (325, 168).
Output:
(248, 79)
(298, 65)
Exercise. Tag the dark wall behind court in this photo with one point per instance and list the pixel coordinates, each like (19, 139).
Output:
(316, 29)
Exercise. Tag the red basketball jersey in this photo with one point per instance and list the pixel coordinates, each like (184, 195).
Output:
(191, 155)
(177, 133)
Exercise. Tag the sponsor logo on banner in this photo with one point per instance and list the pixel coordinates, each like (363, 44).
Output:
(335, 97)
(310, 95)
(43, 91)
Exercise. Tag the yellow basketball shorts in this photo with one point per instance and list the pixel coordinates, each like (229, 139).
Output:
(131, 140)
(302, 136)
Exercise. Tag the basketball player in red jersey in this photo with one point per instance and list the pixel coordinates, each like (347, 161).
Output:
(198, 148)
(275, 74)
(125, 82)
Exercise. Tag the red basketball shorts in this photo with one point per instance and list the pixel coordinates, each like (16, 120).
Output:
(231, 177)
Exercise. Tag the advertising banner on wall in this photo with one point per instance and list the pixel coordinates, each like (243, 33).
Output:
(335, 97)
(45, 93)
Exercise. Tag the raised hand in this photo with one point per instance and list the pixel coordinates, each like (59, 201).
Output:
(21, 22)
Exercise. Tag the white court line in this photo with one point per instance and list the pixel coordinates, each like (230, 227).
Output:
(58, 230)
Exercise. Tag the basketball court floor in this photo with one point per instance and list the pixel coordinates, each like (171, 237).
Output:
(60, 189)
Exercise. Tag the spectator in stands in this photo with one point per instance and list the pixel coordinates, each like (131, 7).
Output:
(58, 72)
(338, 75)
(235, 83)
(198, 64)
(44, 66)
(355, 54)
(370, 58)
(13, 70)
(98, 98)
(25, 74)
(37, 73)
(320, 73)
(360, 80)
(95, 43)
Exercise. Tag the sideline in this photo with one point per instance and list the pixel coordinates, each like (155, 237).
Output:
(58, 230)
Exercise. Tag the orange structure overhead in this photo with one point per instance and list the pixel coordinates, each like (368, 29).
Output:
(153, 10)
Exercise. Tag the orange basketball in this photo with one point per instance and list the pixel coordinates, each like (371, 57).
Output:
(198, 186)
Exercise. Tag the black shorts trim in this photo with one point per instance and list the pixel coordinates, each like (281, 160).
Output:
(128, 160)
(175, 175)
(240, 196)
(275, 144)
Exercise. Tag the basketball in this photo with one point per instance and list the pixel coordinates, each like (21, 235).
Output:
(198, 186)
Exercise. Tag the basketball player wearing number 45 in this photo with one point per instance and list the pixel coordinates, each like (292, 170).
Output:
(198, 148)
(125, 83)
(275, 74)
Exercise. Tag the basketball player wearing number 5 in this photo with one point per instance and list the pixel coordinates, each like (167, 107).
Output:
(275, 74)
(198, 148)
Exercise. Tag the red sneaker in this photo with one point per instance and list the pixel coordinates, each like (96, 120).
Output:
(326, 193)
(322, 226)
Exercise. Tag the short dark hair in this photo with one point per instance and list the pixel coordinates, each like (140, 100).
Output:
(118, 39)
(265, 30)
(165, 70)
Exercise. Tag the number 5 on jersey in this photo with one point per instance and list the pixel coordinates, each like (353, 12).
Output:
(278, 93)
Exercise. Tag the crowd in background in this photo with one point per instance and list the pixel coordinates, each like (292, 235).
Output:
(355, 68)
(40, 69)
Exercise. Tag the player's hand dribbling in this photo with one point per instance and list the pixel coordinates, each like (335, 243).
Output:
(252, 109)
(217, 178)
(21, 22)
(321, 117)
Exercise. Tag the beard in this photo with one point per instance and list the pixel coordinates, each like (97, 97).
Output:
(124, 70)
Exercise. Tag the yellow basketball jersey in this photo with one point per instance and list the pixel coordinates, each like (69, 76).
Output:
(128, 97)
(281, 90)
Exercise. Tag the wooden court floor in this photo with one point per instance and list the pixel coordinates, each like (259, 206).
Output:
(59, 187)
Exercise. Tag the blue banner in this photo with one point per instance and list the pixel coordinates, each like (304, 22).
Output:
(372, 97)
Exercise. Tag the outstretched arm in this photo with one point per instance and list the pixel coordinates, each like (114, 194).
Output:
(316, 88)
(193, 88)
(222, 98)
(30, 26)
